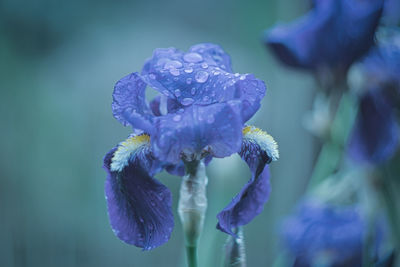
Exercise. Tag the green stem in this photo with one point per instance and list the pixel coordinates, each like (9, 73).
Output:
(191, 253)
(192, 206)
(331, 152)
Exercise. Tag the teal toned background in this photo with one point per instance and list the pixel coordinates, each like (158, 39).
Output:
(59, 63)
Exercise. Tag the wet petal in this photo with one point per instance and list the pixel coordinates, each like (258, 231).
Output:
(258, 149)
(213, 55)
(139, 207)
(335, 34)
(197, 77)
(375, 137)
(215, 128)
(129, 104)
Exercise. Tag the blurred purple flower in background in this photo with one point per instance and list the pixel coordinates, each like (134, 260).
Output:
(375, 135)
(321, 234)
(333, 35)
(199, 113)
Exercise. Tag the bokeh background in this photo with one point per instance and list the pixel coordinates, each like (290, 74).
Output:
(59, 61)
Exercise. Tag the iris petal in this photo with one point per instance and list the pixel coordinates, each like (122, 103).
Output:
(202, 76)
(215, 128)
(139, 207)
(129, 104)
(375, 137)
(335, 34)
(258, 149)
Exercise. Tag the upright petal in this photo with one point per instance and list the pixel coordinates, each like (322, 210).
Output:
(202, 76)
(215, 129)
(213, 55)
(258, 149)
(139, 207)
(375, 136)
(129, 103)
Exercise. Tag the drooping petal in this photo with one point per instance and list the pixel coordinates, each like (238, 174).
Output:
(215, 128)
(129, 103)
(258, 149)
(139, 207)
(375, 136)
(197, 77)
(334, 34)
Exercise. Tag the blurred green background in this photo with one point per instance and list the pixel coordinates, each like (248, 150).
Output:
(59, 63)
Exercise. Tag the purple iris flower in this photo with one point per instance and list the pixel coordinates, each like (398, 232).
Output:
(199, 113)
(324, 235)
(333, 35)
(375, 137)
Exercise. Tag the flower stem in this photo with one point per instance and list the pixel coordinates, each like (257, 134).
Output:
(235, 254)
(192, 206)
(331, 152)
(191, 253)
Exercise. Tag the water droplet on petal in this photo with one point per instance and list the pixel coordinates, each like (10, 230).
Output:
(177, 117)
(216, 73)
(206, 98)
(188, 70)
(189, 80)
(152, 76)
(210, 119)
(204, 65)
(177, 93)
(193, 91)
(192, 57)
(173, 64)
(187, 101)
(201, 76)
(174, 72)
(166, 92)
(237, 74)
(243, 77)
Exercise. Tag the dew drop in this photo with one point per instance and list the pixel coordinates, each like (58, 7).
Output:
(204, 65)
(173, 64)
(187, 101)
(192, 57)
(166, 92)
(174, 72)
(210, 119)
(193, 91)
(216, 73)
(177, 93)
(206, 98)
(201, 76)
(188, 70)
(177, 117)
(152, 76)
(242, 77)
(189, 80)
(237, 74)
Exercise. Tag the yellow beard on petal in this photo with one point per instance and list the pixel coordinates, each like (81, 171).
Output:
(265, 141)
(126, 149)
